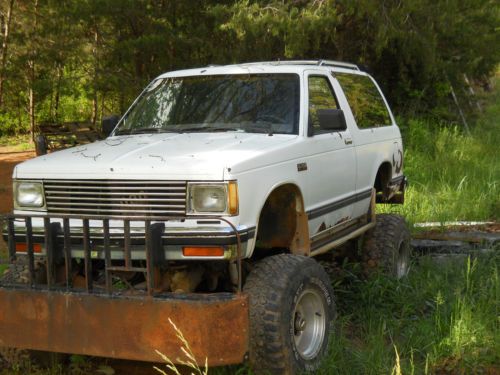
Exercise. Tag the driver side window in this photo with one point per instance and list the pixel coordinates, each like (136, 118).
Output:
(321, 96)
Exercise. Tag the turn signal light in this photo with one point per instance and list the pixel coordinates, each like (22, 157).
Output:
(22, 247)
(233, 198)
(195, 251)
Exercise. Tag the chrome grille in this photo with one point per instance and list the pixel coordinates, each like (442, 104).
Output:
(116, 197)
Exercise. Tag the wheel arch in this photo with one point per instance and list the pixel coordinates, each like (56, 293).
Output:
(383, 179)
(282, 220)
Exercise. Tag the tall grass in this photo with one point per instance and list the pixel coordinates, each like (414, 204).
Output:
(453, 176)
(442, 318)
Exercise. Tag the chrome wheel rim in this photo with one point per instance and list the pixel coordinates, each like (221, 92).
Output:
(309, 324)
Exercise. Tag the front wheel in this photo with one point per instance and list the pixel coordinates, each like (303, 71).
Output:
(291, 313)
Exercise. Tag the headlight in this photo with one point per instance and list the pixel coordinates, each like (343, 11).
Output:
(28, 194)
(213, 198)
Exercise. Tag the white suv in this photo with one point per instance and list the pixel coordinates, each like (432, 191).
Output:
(251, 169)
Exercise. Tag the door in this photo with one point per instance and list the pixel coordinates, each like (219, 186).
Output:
(331, 160)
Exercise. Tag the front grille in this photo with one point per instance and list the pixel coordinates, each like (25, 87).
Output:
(115, 197)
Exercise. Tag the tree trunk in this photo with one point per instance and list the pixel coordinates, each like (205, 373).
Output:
(31, 99)
(5, 44)
(57, 94)
(96, 62)
(31, 67)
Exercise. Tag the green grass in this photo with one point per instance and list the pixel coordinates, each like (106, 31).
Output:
(439, 318)
(16, 143)
(453, 176)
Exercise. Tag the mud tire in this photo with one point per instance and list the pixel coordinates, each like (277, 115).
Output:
(386, 248)
(278, 287)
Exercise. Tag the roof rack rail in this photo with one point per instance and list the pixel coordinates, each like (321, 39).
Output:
(340, 64)
(319, 62)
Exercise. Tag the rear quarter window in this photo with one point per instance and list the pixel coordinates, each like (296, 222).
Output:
(364, 98)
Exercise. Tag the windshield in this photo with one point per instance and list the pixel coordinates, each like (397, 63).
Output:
(255, 103)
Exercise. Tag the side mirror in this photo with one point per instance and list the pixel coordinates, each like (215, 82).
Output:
(109, 123)
(331, 119)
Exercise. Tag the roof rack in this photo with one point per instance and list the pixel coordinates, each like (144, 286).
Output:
(320, 62)
(340, 64)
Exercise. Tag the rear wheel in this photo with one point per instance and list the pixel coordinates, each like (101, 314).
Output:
(386, 248)
(291, 312)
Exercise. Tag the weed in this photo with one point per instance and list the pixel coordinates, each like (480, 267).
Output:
(189, 361)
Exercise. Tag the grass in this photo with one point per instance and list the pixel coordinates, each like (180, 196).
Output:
(188, 362)
(441, 318)
(16, 143)
(453, 176)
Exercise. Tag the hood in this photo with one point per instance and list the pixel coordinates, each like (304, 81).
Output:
(185, 156)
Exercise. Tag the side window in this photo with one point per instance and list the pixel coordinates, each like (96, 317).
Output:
(364, 98)
(320, 97)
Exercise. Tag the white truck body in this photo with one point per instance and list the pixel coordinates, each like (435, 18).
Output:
(334, 172)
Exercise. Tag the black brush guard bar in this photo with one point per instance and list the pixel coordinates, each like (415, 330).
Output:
(154, 228)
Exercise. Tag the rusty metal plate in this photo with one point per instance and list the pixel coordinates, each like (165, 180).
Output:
(216, 327)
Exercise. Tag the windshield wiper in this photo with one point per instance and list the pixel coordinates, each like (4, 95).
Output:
(143, 131)
(151, 130)
(208, 129)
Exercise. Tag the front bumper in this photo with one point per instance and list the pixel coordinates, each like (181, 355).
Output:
(175, 236)
(134, 328)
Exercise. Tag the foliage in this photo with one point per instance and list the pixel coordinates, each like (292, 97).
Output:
(82, 59)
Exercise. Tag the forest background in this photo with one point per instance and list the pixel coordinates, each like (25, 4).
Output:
(80, 60)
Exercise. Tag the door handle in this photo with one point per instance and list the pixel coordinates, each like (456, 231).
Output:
(348, 141)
